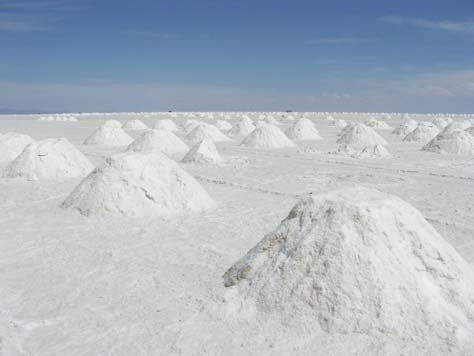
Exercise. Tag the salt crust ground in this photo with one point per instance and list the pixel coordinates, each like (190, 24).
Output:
(76, 286)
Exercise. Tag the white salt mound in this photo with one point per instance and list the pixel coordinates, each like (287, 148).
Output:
(135, 125)
(206, 131)
(340, 123)
(424, 133)
(166, 124)
(242, 128)
(470, 131)
(159, 140)
(372, 152)
(405, 128)
(377, 124)
(458, 125)
(54, 158)
(139, 185)
(459, 143)
(108, 136)
(303, 130)
(360, 136)
(113, 124)
(191, 125)
(360, 261)
(11, 145)
(223, 125)
(271, 120)
(440, 123)
(204, 152)
(267, 136)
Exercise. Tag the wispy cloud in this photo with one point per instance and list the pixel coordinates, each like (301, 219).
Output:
(445, 25)
(336, 41)
(160, 35)
(33, 16)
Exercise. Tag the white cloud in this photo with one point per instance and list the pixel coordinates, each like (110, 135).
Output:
(446, 25)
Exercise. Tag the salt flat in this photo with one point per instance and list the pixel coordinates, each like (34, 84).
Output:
(75, 285)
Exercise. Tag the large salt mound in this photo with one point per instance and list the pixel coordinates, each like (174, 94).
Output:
(360, 136)
(424, 133)
(108, 136)
(11, 145)
(376, 124)
(204, 152)
(267, 136)
(134, 125)
(360, 261)
(160, 140)
(459, 143)
(139, 185)
(458, 125)
(405, 128)
(166, 124)
(440, 123)
(54, 158)
(242, 128)
(303, 130)
(203, 131)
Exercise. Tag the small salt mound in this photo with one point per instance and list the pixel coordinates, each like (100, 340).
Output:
(242, 128)
(405, 128)
(159, 140)
(340, 123)
(458, 125)
(440, 123)
(135, 125)
(330, 119)
(267, 136)
(376, 124)
(470, 131)
(204, 152)
(459, 143)
(115, 124)
(360, 136)
(271, 120)
(203, 131)
(47, 118)
(108, 136)
(359, 261)
(223, 125)
(11, 145)
(303, 130)
(139, 185)
(191, 124)
(54, 158)
(372, 152)
(424, 133)
(166, 124)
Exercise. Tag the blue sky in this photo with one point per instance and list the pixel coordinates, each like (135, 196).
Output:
(144, 55)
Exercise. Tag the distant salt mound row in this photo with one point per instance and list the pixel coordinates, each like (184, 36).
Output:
(139, 185)
(108, 136)
(11, 145)
(206, 131)
(159, 140)
(339, 123)
(242, 128)
(360, 136)
(377, 124)
(359, 261)
(458, 125)
(267, 136)
(58, 118)
(223, 125)
(441, 123)
(166, 124)
(405, 128)
(52, 159)
(424, 132)
(134, 125)
(303, 130)
(115, 124)
(204, 152)
(459, 143)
